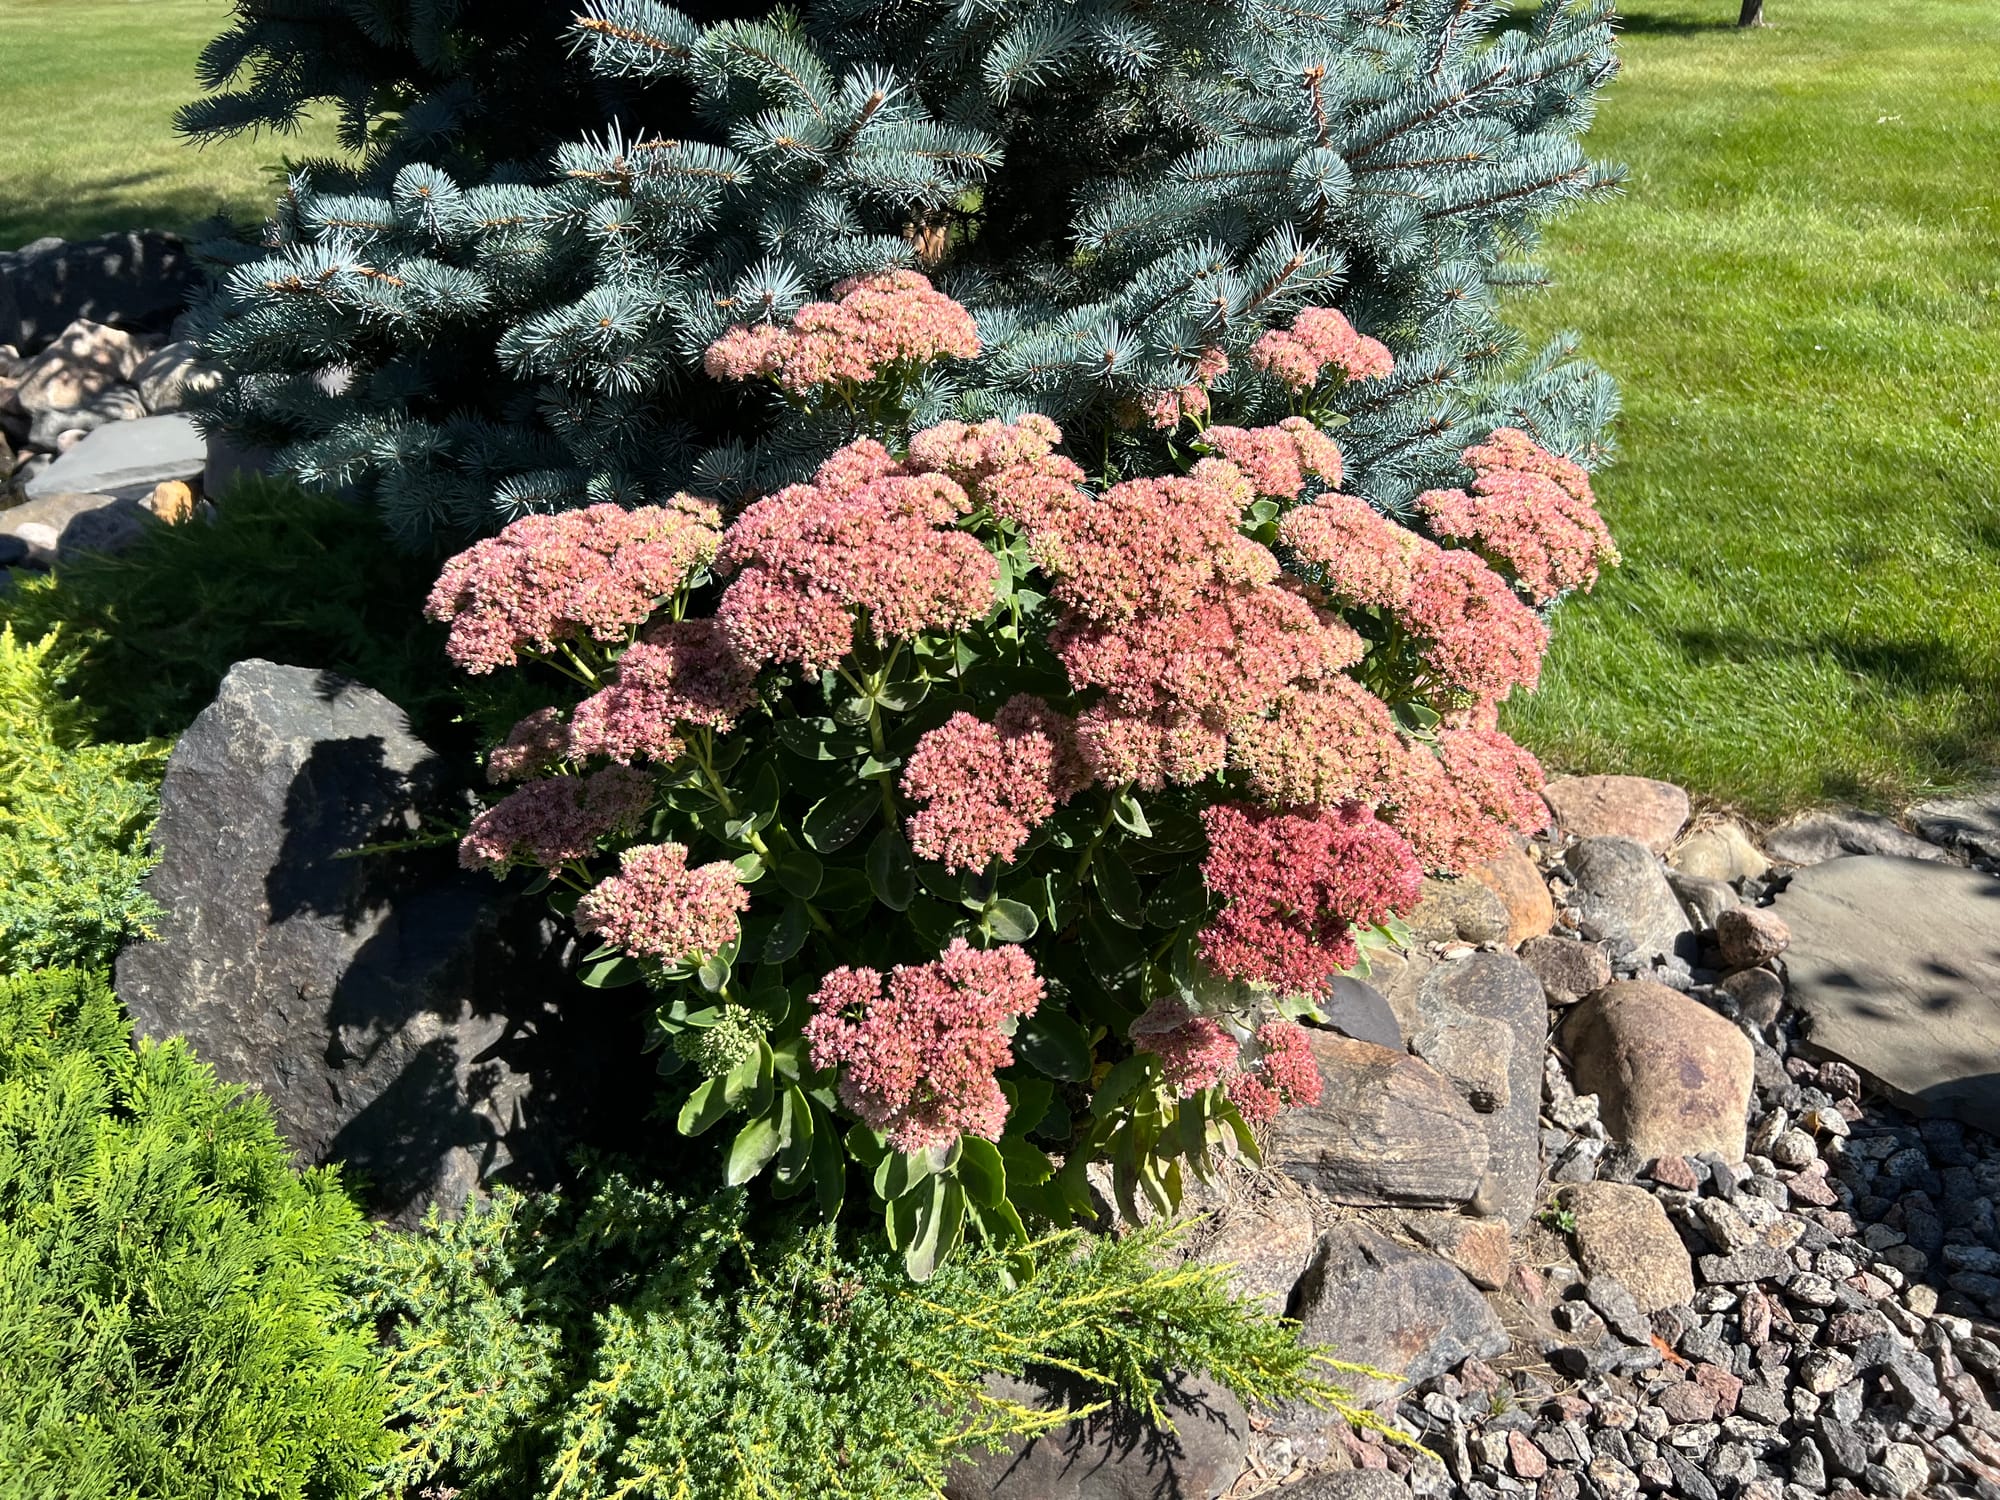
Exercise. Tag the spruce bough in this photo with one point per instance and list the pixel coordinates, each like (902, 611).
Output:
(1112, 189)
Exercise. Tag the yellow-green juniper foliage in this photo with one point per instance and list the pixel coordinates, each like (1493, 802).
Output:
(169, 1286)
(635, 1343)
(74, 817)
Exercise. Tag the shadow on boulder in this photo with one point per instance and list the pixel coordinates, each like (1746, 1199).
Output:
(410, 1020)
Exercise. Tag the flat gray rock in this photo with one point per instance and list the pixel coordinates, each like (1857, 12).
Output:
(1835, 832)
(1895, 968)
(126, 459)
(60, 525)
(1969, 824)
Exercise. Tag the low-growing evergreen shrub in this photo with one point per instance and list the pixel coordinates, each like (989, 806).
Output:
(282, 573)
(169, 1287)
(74, 816)
(631, 1342)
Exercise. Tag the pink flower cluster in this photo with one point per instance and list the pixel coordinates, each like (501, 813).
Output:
(557, 820)
(1284, 1075)
(1184, 622)
(1279, 459)
(1195, 1052)
(1532, 510)
(1464, 803)
(1320, 339)
(866, 536)
(1355, 550)
(876, 322)
(983, 788)
(917, 1059)
(1293, 885)
(1188, 401)
(596, 572)
(532, 746)
(1323, 743)
(656, 907)
(1475, 635)
(680, 673)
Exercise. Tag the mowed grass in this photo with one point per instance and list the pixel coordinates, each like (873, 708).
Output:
(1800, 295)
(88, 90)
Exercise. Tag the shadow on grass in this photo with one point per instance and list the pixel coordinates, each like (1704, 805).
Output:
(1638, 23)
(88, 206)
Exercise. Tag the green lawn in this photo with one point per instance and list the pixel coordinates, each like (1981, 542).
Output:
(88, 90)
(1800, 294)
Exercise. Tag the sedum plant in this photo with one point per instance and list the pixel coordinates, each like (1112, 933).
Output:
(976, 817)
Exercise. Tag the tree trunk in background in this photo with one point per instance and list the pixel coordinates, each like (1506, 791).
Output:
(1753, 13)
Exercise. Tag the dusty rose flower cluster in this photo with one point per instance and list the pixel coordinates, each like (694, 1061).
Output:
(678, 674)
(866, 538)
(1320, 339)
(876, 322)
(556, 821)
(917, 1057)
(1355, 550)
(1278, 460)
(1189, 401)
(1285, 1074)
(980, 789)
(1278, 1070)
(1293, 887)
(1477, 638)
(1194, 1052)
(598, 572)
(1531, 510)
(656, 907)
(1465, 803)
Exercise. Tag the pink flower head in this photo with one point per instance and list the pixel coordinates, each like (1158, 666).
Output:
(862, 539)
(532, 746)
(982, 791)
(1223, 659)
(1529, 509)
(1320, 339)
(1475, 635)
(556, 821)
(1358, 553)
(1463, 804)
(1025, 715)
(1145, 547)
(1285, 1074)
(1333, 341)
(1167, 409)
(681, 673)
(1195, 1053)
(1324, 743)
(545, 579)
(917, 1059)
(1148, 750)
(656, 907)
(896, 318)
(1278, 459)
(967, 453)
(1293, 885)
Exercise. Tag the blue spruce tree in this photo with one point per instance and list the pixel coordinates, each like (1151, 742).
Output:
(1112, 186)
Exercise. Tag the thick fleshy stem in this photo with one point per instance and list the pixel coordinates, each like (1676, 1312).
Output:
(704, 755)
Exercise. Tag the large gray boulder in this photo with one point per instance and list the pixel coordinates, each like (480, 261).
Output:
(1895, 968)
(1622, 896)
(1115, 1454)
(401, 1016)
(134, 279)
